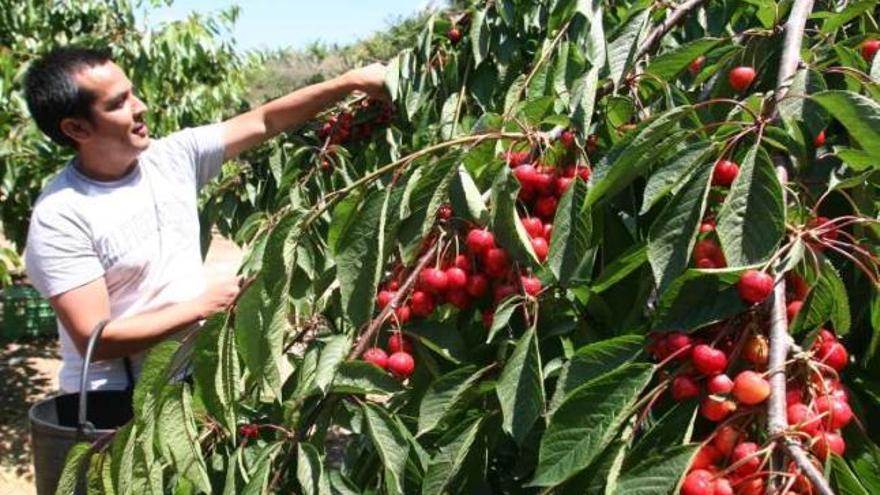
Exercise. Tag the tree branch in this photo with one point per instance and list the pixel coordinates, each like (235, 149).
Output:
(791, 51)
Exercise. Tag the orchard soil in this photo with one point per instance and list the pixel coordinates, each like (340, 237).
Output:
(29, 372)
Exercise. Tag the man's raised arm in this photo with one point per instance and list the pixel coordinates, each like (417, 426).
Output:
(249, 129)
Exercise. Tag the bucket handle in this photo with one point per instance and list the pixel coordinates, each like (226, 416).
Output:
(83, 424)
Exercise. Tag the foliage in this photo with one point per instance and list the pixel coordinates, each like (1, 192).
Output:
(541, 390)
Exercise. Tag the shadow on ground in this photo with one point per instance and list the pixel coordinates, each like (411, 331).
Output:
(22, 382)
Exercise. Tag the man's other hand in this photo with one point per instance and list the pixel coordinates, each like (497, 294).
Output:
(220, 295)
(369, 79)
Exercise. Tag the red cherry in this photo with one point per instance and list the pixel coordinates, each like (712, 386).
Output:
(401, 364)
(526, 174)
(496, 261)
(833, 354)
(376, 356)
(869, 49)
(567, 139)
(533, 226)
(548, 230)
(708, 360)
(403, 314)
(751, 486)
(462, 261)
(444, 212)
(488, 317)
(545, 207)
(799, 286)
(393, 285)
(454, 35)
(477, 285)
(434, 279)
(502, 292)
(706, 249)
(720, 384)
(819, 141)
(757, 349)
(707, 226)
(584, 172)
(541, 248)
(725, 439)
(422, 303)
(459, 298)
(676, 341)
(398, 343)
(801, 417)
(696, 65)
(827, 228)
(456, 278)
(384, 298)
(480, 240)
(684, 387)
(722, 487)
(829, 441)
(750, 388)
(698, 482)
(249, 431)
(516, 158)
(562, 185)
(531, 285)
(754, 286)
(743, 451)
(706, 264)
(741, 78)
(716, 409)
(837, 412)
(793, 309)
(793, 395)
(544, 182)
(706, 457)
(724, 173)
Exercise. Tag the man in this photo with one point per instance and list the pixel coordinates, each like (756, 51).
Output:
(116, 234)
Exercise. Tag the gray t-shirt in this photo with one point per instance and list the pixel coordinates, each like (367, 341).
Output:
(141, 233)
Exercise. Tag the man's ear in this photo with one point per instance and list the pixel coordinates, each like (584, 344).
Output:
(77, 129)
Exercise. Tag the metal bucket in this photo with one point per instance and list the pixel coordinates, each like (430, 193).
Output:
(59, 422)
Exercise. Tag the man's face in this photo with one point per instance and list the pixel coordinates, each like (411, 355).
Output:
(116, 127)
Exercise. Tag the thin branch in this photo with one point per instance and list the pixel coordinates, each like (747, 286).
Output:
(791, 52)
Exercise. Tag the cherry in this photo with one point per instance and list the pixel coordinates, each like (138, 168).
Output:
(684, 387)
(676, 341)
(401, 364)
(722, 487)
(496, 260)
(829, 441)
(398, 343)
(706, 264)
(459, 298)
(751, 486)
(801, 417)
(869, 49)
(755, 286)
(819, 141)
(707, 226)
(480, 240)
(403, 314)
(502, 292)
(750, 388)
(716, 409)
(719, 384)
(793, 309)
(706, 249)
(546, 206)
(488, 317)
(567, 139)
(829, 231)
(541, 248)
(746, 450)
(434, 279)
(698, 482)
(757, 349)
(531, 285)
(393, 285)
(725, 439)
(548, 230)
(562, 184)
(708, 360)
(741, 78)
(793, 395)
(696, 65)
(249, 431)
(456, 278)
(376, 356)
(837, 412)
(384, 298)
(462, 261)
(833, 354)
(584, 172)
(454, 35)
(724, 173)
(516, 158)
(533, 225)
(422, 303)
(707, 456)
(444, 212)
(527, 175)
(799, 286)
(477, 285)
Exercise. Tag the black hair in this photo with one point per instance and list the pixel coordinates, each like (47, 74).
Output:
(52, 93)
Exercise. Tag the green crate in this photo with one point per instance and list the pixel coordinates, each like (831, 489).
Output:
(26, 314)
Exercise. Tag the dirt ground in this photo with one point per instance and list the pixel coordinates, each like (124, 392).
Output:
(28, 373)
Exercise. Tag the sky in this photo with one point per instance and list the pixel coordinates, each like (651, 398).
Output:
(296, 23)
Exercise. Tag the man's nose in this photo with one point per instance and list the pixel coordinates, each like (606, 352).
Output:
(139, 106)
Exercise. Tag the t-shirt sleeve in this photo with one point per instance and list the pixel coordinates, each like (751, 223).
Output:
(203, 149)
(59, 255)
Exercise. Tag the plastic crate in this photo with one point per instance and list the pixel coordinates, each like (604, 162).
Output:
(26, 314)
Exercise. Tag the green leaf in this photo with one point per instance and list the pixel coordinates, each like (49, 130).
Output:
(673, 172)
(623, 47)
(659, 474)
(601, 478)
(74, 467)
(751, 221)
(480, 36)
(798, 107)
(697, 299)
(593, 360)
(587, 421)
(672, 236)
(445, 396)
(859, 114)
(452, 450)
(155, 373)
(467, 202)
(359, 377)
(572, 230)
(227, 377)
(178, 438)
(622, 266)
(853, 10)
(262, 466)
(259, 341)
(509, 231)
(520, 388)
(391, 444)
(333, 353)
(673, 429)
(310, 470)
(503, 313)
(280, 250)
(843, 480)
(583, 100)
(632, 156)
(667, 66)
(827, 300)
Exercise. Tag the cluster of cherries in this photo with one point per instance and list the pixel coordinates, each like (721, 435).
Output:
(398, 360)
(346, 126)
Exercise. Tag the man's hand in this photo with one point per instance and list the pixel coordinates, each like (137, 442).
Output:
(219, 295)
(370, 80)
